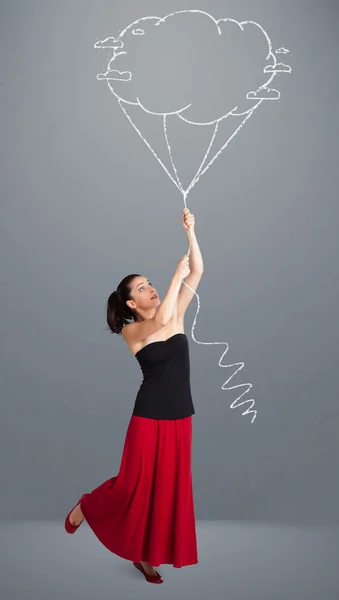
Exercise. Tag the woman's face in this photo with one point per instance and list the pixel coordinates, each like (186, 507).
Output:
(144, 294)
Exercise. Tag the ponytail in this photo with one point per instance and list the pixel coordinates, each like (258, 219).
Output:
(118, 312)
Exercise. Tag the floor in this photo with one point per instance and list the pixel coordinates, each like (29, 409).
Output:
(237, 561)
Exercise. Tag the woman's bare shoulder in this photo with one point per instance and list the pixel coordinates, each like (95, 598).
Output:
(125, 332)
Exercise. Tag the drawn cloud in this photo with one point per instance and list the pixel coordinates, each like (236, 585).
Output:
(264, 94)
(171, 78)
(109, 42)
(277, 68)
(115, 75)
(282, 51)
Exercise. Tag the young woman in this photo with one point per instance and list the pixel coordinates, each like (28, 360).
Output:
(146, 513)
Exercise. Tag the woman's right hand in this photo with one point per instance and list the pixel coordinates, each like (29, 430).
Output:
(183, 269)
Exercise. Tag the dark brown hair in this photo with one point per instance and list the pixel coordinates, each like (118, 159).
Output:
(118, 312)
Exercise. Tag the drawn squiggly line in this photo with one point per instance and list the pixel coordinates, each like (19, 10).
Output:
(240, 365)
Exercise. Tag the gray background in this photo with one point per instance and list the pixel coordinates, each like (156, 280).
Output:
(84, 203)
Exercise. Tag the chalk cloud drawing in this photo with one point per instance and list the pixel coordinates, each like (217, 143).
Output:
(176, 89)
(109, 42)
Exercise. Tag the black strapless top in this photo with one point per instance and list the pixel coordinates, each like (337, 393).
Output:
(165, 392)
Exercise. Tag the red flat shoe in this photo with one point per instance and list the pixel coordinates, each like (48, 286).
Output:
(70, 528)
(150, 578)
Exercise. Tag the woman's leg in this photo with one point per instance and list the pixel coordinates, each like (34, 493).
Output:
(147, 568)
(76, 515)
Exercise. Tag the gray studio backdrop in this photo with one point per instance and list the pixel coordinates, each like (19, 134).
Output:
(84, 202)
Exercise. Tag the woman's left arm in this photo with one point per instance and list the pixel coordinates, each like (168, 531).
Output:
(196, 262)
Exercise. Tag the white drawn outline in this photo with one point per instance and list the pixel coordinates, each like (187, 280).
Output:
(115, 74)
(262, 94)
(110, 42)
(277, 68)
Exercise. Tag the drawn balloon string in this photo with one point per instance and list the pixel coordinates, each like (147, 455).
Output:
(228, 38)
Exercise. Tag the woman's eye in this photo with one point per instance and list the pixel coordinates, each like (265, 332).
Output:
(142, 287)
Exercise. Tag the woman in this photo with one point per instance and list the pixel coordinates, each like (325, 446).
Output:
(146, 513)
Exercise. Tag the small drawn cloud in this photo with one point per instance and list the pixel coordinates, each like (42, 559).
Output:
(282, 51)
(109, 42)
(264, 94)
(116, 75)
(278, 68)
(138, 32)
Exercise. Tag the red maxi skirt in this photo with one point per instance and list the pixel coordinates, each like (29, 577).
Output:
(146, 512)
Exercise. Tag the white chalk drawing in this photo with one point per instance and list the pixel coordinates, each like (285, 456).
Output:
(109, 42)
(173, 92)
